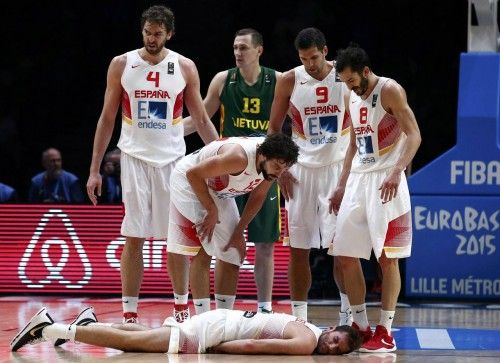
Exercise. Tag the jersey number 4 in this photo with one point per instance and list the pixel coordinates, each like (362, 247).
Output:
(154, 77)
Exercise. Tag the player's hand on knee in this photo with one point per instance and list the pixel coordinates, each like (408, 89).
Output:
(205, 228)
(237, 241)
(286, 182)
(94, 183)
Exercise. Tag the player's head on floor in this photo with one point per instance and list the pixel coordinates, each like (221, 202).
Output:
(338, 340)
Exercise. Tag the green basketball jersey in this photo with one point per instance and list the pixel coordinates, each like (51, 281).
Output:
(245, 109)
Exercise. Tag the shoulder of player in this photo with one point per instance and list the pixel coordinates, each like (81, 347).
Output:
(232, 148)
(392, 91)
(233, 152)
(220, 77)
(185, 62)
(188, 68)
(299, 330)
(287, 78)
(119, 60)
(117, 64)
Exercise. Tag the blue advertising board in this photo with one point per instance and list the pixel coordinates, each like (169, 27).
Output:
(456, 198)
(472, 167)
(456, 247)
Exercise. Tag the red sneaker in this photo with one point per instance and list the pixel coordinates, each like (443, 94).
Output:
(366, 334)
(181, 312)
(129, 317)
(381, 342)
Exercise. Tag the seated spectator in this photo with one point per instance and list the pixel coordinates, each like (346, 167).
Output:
(111, 185)
(54, 185)
(7, 194)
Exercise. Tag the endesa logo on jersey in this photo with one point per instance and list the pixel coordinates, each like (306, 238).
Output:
(323, 129)
(154, 114)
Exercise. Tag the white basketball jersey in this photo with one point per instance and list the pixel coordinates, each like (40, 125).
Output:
(228, 186)
(379, 138)
(217, 326)
(152, 101)
(317, 112)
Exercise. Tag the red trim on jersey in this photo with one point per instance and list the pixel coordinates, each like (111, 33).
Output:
(297, 123)
(178, 105)
(346, 122)
(126, 109)
(218, 183)
(388, 131)
(399, 232)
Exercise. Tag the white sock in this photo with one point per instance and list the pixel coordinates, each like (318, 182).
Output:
(344, 302)
(201, 305)
(299, 309)
(386, 319)
(62, 331)
(129, 304)
(224, 301)
(359, 316)
(264, 306)
(181, 299)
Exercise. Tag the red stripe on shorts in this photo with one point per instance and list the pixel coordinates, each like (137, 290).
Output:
(189, 237)
(399, 232)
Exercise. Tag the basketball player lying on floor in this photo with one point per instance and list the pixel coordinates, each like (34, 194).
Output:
(216, 331)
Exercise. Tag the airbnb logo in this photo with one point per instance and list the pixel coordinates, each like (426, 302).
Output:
(77, 249)
(53, 244)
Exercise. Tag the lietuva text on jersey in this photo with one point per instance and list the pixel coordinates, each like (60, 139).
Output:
(242, 122)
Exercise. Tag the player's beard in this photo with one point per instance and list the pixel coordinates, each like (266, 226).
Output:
(265, 174)
(154, 50)
(363, 86)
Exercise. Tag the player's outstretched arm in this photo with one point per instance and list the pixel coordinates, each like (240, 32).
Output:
(294, 346)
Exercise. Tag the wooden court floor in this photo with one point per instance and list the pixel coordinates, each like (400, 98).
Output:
(424, 333)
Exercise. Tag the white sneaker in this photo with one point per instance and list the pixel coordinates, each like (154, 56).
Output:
(345, 317)
(32, 332)
(85, 317)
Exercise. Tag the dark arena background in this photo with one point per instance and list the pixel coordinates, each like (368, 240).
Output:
(53, 65)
